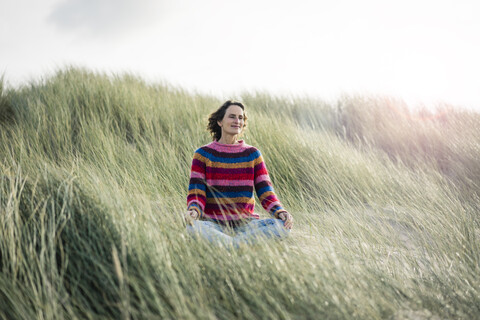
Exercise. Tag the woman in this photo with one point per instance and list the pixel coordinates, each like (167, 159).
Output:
(223, 177)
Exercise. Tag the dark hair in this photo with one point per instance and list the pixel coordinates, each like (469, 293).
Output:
(213, 127)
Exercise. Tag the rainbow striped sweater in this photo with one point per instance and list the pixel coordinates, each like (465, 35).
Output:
(222, 181)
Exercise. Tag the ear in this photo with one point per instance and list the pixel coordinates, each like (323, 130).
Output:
(219, 123)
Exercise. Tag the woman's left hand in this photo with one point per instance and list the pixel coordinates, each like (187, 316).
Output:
(287, 218)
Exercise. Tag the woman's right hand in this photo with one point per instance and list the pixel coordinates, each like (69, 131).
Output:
(190, 216)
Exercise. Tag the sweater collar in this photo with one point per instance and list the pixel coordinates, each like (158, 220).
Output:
(240, 144)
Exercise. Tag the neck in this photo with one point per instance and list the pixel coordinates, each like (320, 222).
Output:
(228, 139)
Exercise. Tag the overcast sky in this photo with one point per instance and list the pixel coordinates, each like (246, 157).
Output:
(419, 50)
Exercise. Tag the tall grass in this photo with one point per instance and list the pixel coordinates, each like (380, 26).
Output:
(93, 185)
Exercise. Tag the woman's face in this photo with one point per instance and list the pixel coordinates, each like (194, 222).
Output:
(233, 121)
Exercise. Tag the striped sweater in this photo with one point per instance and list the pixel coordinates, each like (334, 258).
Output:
(223, 179)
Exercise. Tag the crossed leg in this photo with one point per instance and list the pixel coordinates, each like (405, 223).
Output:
(250, 233)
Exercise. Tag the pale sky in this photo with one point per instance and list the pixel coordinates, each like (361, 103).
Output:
(420, 50)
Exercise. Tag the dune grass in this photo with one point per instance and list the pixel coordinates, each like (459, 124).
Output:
(94, 171)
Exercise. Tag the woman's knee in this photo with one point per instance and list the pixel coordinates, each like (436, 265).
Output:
(197, 226)
(278, 223)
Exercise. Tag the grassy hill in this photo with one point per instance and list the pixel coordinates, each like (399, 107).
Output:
(94, 171)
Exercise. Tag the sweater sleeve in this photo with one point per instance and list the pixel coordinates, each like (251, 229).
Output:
(264, 188)
(196, 198)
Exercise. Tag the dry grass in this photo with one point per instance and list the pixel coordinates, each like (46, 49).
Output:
(93, 183)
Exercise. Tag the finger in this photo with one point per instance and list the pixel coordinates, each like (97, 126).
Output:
(189, 220)
(289, 223)
(193, 214)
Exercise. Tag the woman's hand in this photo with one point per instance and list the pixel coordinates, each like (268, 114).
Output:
(190, 216)
(287, 218)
